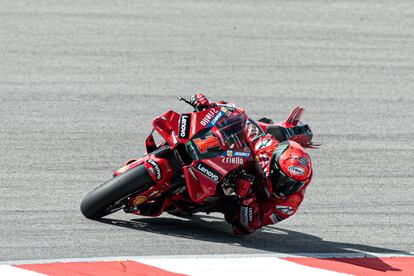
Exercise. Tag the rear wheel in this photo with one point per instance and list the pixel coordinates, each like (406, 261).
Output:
(112, 195)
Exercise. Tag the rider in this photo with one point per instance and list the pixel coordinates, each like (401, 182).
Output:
(283, 170)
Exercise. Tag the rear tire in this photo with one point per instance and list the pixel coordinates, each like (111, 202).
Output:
(98, 203)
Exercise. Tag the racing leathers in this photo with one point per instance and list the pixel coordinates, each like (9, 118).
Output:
(257, 205)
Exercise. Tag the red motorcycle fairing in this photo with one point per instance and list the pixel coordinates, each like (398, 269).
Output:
(167, 126)
(203, 175)
(186, 125)
(206, 136)
(291, 129)
(211, 159)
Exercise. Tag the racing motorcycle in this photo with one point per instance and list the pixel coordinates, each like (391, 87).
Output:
(193, 169)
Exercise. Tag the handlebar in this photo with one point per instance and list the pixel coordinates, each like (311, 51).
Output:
(184, 100)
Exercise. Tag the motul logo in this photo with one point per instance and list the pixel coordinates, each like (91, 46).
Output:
(207, 172)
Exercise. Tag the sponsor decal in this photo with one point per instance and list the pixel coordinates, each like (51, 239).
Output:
(285, 210)
(275, 218)
(140, 200)
(254, 132)
(281, 148)
(157, 169)
(208, 171)
(210, 115)
(296, 170)
(264, 143)
(209, 142)
(232, 160)
(241, 154)
(193, 174)
(192, 151)
(236, 153)
(218, 117)
(223, 109)
(185, 122)
(246, 215)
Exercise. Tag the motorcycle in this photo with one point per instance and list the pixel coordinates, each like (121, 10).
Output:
(193, 169)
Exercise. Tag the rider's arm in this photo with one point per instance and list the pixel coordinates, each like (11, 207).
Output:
(254, 215)
(200, 102)
(274, 211)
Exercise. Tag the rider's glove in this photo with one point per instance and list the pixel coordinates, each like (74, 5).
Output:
(243, 187)
(199, 102)
(249, 217)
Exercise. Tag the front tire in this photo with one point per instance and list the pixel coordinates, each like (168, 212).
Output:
(110, 196)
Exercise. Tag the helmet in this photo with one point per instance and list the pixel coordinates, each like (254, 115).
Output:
(290, 169)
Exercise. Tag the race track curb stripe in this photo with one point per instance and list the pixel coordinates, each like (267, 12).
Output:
(236, 266)
(362, 266)
(118, 268)
(270, 264)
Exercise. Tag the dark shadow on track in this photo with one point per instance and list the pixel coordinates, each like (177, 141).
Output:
(271, 239)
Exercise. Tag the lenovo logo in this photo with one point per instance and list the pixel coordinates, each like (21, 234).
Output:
(209, 172)
(184, 126)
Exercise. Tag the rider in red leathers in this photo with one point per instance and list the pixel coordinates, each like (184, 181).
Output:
(282, 169)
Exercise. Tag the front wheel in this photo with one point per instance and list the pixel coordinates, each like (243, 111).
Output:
(113, 194)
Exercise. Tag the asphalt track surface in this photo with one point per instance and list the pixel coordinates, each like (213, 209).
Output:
(80, 82)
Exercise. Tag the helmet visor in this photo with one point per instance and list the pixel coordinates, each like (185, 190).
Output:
(283, 185)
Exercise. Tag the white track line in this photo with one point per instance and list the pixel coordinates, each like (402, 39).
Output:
(236, 266)
(7, 270)
(215, 256)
